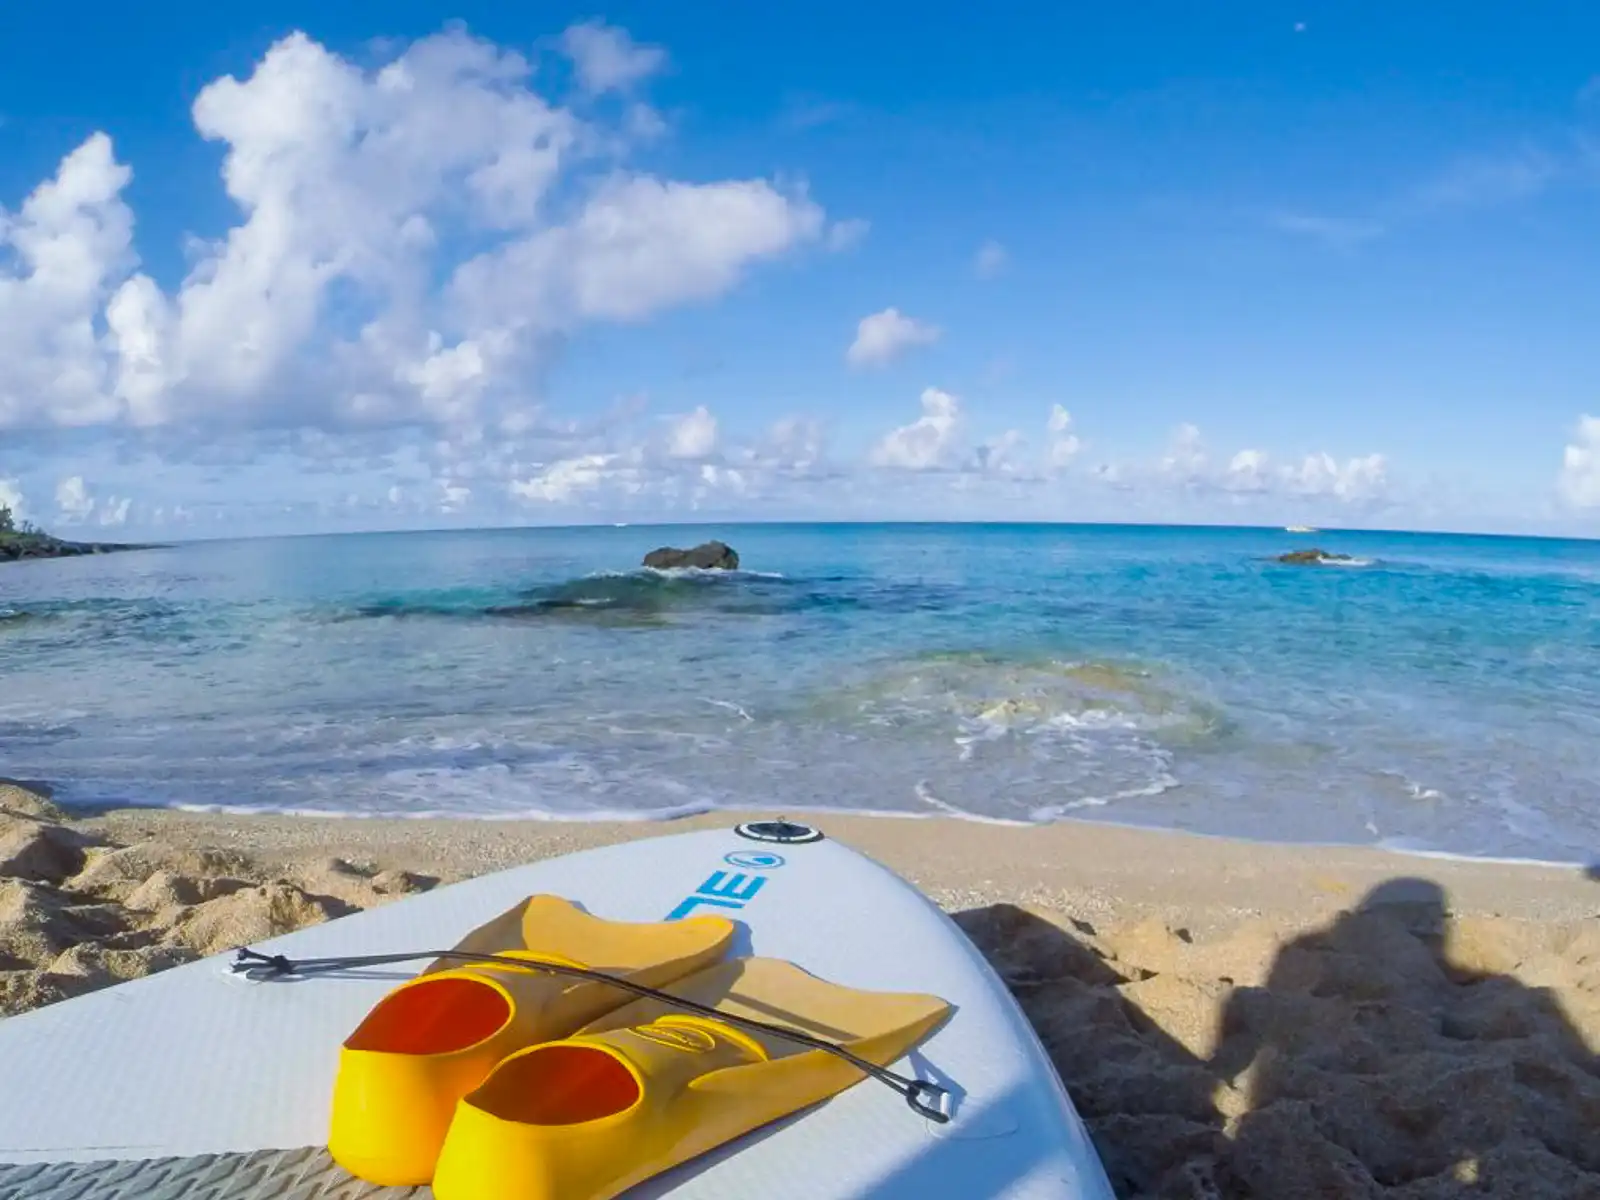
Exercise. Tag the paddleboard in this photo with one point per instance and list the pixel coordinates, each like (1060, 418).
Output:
(198, 1081)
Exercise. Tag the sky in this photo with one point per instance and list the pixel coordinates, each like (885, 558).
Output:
(295, 267)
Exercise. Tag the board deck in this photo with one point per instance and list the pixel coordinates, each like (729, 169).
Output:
(198, 1082)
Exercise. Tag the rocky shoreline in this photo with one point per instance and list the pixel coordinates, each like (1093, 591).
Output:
(17, 546)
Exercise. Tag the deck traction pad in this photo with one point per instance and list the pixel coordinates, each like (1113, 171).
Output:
(308, 1174)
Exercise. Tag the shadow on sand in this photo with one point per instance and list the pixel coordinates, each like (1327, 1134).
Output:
(1389, 1053)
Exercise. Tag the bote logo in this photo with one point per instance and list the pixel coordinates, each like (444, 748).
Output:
(724, 889)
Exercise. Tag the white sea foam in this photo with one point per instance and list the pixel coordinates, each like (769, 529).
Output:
(699, 573)
(945, 808)
(601, 815)
(1412, 848)
(730, 706)
(1053, 812)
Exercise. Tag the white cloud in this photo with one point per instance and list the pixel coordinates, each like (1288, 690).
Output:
(990, 260)
(115, 511)
(11, 497)
(1185, 456)
(727, 478)
(1579, 482)
(453, 497)
(998, 456)
(356, 189)
(70, 241)
(927, 443)
(1356, 479)
(885, 336)
(795, 445)
(1485, 181)
(640, 245)
(1248, 472)
(847, 234)
(607, 59)
(1064, 444)
(562, 481)
(73, 500)
(1186, 464)
(693, 435)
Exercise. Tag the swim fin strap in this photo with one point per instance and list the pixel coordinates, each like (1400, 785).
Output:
(647, 1087)
(433, 1039)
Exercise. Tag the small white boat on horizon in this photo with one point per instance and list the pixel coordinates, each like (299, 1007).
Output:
(1299, 529)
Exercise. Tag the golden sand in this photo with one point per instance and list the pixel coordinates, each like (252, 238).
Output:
(1231, 1020)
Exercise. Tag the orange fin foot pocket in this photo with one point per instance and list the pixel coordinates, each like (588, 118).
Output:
(647, 1086)
(435, 1038)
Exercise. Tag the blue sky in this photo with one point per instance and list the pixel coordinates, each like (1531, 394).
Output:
(1257, 262)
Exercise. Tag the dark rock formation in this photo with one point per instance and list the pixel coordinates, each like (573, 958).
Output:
(711, 556)
(14, 546)
(1311, 557)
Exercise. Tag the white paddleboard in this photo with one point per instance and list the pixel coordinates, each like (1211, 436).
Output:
(197, 1081)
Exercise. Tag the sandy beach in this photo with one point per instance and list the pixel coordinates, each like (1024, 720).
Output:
(1231, 1019)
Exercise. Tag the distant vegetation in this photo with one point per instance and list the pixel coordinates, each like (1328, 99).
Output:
(27, 540)
(8, 524)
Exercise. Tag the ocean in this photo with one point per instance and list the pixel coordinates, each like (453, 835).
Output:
(1441, 693)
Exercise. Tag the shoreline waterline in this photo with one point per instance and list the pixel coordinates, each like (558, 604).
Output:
(1443, 699)
(670, 821)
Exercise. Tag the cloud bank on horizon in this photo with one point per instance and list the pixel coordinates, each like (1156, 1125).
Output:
(417, 241)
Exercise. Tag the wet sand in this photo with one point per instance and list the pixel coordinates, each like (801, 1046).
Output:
(1232, 1020)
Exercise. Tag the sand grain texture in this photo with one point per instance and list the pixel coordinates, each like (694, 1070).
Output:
(80, 910)
(1232, 1021)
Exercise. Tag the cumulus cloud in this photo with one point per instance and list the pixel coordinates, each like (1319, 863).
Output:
(928, 443)
(885, 336)
(114, 511)
(990, 260)
(999, 455)
(70, 242)
(11, 498)
(357, 189)
(1579, 481)
(73, 500)
(1355, 479)
(1185, 455)
(794, 446)
(1187, 462)
(1064, 443)
(1248, 472)
(607, 59)
(561, 482)
(693, 435)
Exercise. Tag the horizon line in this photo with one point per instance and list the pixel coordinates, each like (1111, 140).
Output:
(1330, 530)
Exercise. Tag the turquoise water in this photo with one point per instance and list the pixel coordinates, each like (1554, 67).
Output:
(1444, 696)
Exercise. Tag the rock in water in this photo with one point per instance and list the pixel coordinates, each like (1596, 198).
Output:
(1311, 557)
(711, 556)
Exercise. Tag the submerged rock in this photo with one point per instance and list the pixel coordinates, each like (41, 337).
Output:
(1312, 557)
(709, 556)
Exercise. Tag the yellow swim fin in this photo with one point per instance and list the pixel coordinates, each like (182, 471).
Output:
(434, 1038)
(649, 1086)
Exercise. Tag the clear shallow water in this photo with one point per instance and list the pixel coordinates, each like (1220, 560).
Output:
(1445, 697)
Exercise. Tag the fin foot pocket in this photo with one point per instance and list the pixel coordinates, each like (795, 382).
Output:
(642, 1089)
(435, 1038)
